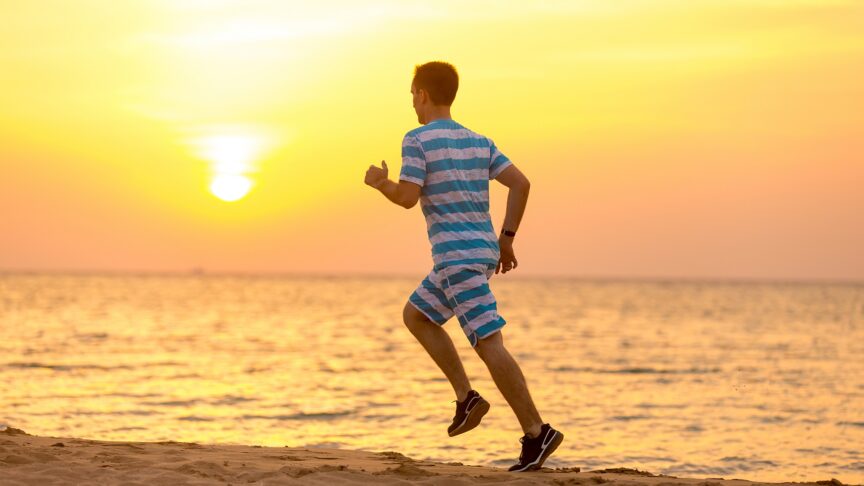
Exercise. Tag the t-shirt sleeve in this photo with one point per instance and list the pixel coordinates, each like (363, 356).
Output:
(413, 161)
(497, 161)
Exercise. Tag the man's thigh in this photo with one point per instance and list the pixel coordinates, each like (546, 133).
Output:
(430, 301)
(468, 293)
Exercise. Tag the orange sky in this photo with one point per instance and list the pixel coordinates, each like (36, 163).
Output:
(698, 139)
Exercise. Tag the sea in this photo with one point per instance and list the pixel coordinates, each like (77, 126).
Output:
(705, 379)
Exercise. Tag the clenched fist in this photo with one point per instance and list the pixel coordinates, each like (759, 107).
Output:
(374, 175)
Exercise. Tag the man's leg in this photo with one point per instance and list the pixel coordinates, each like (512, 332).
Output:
(440, 347)
(510, 381)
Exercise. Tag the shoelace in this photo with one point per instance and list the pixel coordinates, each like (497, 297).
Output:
(466, 399)
(457, 408)
(522, 441)
(522, 452)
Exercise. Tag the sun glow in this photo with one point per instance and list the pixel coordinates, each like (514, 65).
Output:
(233, 152)
(673, 130)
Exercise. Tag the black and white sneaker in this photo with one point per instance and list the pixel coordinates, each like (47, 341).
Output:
(536, 450)
(468, 413)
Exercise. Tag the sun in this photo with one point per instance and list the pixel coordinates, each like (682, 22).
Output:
(230, 187)
(232, 152)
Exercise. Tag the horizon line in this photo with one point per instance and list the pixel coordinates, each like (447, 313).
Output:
(200, 272)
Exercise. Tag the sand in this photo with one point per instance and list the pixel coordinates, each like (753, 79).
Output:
(33, 460)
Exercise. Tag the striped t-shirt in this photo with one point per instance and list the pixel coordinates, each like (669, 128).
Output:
(453, 166)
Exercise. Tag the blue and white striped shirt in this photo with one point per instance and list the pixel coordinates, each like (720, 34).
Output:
(453, 166)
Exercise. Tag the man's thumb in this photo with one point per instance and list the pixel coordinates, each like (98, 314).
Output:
(384, 165)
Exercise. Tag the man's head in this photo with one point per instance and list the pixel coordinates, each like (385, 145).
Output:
(434, 87)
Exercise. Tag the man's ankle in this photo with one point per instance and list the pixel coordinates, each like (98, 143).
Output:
(534, 432)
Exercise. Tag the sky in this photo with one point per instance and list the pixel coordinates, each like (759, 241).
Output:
(663, 139)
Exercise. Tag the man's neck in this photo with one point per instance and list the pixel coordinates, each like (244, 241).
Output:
(438, 113)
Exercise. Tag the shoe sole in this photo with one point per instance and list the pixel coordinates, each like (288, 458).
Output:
(473, 418)
(559, 437)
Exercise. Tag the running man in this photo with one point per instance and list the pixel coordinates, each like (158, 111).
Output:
(447, 167)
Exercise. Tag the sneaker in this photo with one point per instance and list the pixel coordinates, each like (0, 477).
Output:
(468, 413)
(536, 450)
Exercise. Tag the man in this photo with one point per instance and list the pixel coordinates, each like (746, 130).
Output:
(447, 167)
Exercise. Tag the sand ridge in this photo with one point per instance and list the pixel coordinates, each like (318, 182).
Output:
(28, 460)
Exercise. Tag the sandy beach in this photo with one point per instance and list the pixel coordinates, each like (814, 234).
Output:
(32, 460)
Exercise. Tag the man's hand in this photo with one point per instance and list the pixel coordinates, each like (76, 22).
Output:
(374, 175)
(507, 261)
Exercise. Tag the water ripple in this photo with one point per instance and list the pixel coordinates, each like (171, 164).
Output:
(853, 424)
(195, 418)
(301, 416)
(172, 403)
(62, 367)
(637, 371)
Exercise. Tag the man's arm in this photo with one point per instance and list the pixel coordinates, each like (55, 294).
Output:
(403, 193)
(517, 199)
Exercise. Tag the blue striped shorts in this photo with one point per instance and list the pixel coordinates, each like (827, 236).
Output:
(463, 291)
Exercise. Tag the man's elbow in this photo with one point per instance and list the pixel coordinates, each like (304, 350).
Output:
(407, 201)
(523, 185)
(407, 195)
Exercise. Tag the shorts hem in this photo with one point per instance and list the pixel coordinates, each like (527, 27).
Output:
(434, 321)
(493, 331)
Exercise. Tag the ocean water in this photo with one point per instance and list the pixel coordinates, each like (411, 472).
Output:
(761, 381)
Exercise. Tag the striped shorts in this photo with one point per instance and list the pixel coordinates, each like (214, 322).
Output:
(463, 291)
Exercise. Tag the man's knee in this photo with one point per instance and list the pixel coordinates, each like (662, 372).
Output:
(490, 346)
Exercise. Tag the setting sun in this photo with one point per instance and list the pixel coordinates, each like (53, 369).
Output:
(232, 152)
(230, 187)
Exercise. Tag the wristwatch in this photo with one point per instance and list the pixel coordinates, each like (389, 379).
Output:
(509, 233)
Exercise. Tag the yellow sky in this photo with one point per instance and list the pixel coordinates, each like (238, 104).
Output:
(663, 138)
